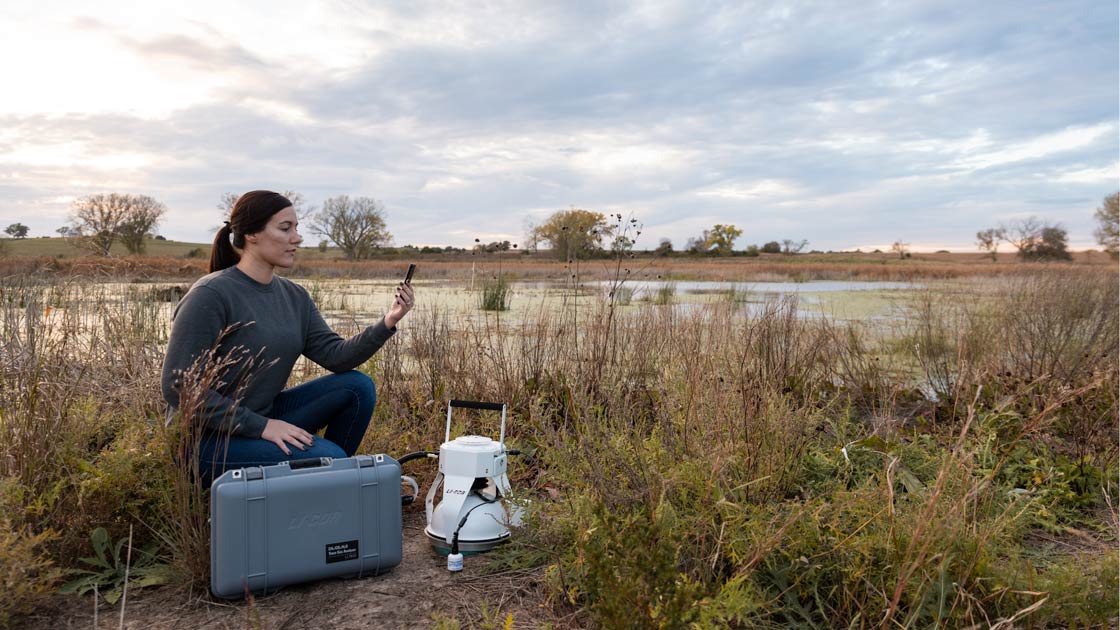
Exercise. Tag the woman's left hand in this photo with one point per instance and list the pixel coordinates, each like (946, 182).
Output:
(402, 304)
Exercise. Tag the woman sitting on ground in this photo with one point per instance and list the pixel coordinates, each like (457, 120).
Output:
(259, 324)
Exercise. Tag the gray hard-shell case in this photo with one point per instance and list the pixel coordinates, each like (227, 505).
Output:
(271, 526)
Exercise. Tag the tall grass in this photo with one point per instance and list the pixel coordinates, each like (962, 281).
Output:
(706, 467)
(495, 294)
(183, 523)
(772, 470)
(78, 373)
(664, 294)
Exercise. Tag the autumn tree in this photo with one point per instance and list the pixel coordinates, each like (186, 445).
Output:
(900, 248)
(143, 215)
(1036, 240)
(988, 240)
(99, 220)
(493, 246)
(530, 241)
(299, 203)
(1108, 224)
(574, 233)
(226, 203)
(1050, 245)
(1021, 233)
(356, 226)
(772, 247)
(621, 244)
(791, 247)
(721, 239)
(17, 230)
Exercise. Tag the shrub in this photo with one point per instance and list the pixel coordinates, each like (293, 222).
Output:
(26, 572)
(630, 567)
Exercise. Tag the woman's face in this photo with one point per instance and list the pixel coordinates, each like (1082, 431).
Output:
(276, 244)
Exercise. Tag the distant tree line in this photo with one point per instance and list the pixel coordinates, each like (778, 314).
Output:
(1033, 239)
(1038, 240)
(578, 233)
(357, 226)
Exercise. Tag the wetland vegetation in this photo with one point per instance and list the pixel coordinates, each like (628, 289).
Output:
(940, 452)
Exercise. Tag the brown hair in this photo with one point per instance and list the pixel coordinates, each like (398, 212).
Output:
(250, 214)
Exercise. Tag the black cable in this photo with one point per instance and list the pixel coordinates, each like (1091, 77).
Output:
(455, 536)
(407, 458)
(417, 455)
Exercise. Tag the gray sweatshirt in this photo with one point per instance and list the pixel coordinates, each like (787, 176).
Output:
(273, 324)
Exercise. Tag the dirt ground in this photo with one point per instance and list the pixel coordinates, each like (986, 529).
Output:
(416, 594)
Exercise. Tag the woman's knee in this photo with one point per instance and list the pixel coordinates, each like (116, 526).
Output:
(362, 386)
(320, 447)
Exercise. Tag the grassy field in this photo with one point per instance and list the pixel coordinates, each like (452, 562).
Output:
(700, 468)
(177, 260)
(54, 247)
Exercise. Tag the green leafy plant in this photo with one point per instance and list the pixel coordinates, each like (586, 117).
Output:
(109, 569)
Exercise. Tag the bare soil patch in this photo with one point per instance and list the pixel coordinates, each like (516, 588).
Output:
(413, 595)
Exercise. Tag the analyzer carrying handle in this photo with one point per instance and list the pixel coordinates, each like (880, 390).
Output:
(474, 404)
(309, 462)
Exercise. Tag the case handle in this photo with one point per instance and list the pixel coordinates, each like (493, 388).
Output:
(309, 462)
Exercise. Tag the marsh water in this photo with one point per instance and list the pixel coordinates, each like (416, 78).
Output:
(848, 300)
(352, 302)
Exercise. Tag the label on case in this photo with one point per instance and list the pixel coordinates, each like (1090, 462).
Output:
(342, 551)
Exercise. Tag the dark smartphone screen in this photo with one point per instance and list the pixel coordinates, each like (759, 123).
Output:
(408, 274)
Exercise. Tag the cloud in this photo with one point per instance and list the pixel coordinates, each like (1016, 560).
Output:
(1048, 144)
(853, 124)
(1104, 176)
(748, 190)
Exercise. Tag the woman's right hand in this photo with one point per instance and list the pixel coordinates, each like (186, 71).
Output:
(402, 304)
(278, 432)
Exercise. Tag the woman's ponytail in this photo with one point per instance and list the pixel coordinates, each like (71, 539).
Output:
(222, 254)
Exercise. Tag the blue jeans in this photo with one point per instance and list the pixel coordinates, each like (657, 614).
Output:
(343, 403)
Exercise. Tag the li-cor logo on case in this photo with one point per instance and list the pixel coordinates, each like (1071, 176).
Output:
(315, 519)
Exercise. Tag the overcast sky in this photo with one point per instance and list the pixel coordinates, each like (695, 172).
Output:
(850, 124)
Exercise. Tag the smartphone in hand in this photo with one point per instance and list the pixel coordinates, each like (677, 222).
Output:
(408, 274)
